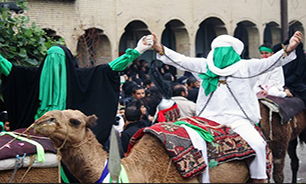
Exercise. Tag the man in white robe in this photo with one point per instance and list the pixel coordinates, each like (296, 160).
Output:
(228, 96)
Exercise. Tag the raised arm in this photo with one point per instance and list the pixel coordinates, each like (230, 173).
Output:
(130, 55)
(180, 61)
(5, 66)
(278, 59)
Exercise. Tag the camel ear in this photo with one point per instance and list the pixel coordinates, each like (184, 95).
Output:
(91, 120)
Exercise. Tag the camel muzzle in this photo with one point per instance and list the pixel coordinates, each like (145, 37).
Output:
(44, 127)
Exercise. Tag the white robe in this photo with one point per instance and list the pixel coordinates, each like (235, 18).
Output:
(273, 82)
(222, 107)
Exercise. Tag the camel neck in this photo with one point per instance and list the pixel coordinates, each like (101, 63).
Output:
(86, 158)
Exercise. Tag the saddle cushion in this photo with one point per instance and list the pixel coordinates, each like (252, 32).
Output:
(227, 145)
(285, 107)
(231, 145)
(18, 147)
(189, 161)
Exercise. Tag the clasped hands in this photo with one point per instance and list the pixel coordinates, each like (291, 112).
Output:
(148, 42)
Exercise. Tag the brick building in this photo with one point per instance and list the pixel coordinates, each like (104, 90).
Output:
(108, 27)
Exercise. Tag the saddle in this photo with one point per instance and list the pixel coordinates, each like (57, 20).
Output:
(285, 107)
(19, 147)
(226, 146)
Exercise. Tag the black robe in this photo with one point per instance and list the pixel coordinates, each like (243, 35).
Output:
(295, 72)
(91, 90)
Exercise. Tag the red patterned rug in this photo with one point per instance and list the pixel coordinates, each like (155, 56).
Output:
(227, 145)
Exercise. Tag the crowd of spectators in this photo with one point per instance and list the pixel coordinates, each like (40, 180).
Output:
(139, 97)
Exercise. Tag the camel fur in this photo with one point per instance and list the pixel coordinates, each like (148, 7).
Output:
(282, 134)
(35, 175)
(147, 162)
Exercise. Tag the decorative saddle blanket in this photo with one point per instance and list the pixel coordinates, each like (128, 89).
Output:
(227, 145)
(286, 107)
(19, 147)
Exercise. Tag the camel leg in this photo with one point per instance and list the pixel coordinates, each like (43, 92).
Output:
(294, 159)
(279, 154)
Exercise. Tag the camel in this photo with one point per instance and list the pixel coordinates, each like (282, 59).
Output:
(280, 138)
(147, 162)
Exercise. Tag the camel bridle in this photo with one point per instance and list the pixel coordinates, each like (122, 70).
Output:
(59, 154)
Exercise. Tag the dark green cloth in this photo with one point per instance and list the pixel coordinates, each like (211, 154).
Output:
(124, 60)
(5, 66)
(53, 82)
(223, 57)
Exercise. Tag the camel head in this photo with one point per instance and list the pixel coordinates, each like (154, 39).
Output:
(69, 126)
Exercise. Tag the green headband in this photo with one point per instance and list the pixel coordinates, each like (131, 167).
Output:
(265, 49)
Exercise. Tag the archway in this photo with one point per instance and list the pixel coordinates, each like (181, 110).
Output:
(175, 36)
(295, 26)
(272, 33)
(133, 32)
(93, 48)
(247, 32)
(208, 30)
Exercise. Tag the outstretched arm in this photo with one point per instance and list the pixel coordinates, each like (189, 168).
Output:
(180, 61)
(278, 59)
(5, 66)
(144, 44)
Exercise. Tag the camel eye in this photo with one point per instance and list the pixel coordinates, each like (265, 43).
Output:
(75, 122)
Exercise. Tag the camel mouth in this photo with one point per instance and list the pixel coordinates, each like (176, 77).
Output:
(42, 127)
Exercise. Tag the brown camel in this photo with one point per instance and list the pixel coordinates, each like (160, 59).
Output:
(147, 162)
(280, 138)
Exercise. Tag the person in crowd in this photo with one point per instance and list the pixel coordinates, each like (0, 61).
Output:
(271, 82)
(120, 119)
(182, 80)
(138, 92)
(187, 107)
(147, 83)
(4, 122)
(127, 90)
(134, 122)
(151, 101)
(166, 110)
(193, 85)
(144, 108)
(226, 94)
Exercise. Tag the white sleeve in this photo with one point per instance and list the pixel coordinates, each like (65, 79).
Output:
(274, 91)
(256, 66)
(182, 62)
(277, 78)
